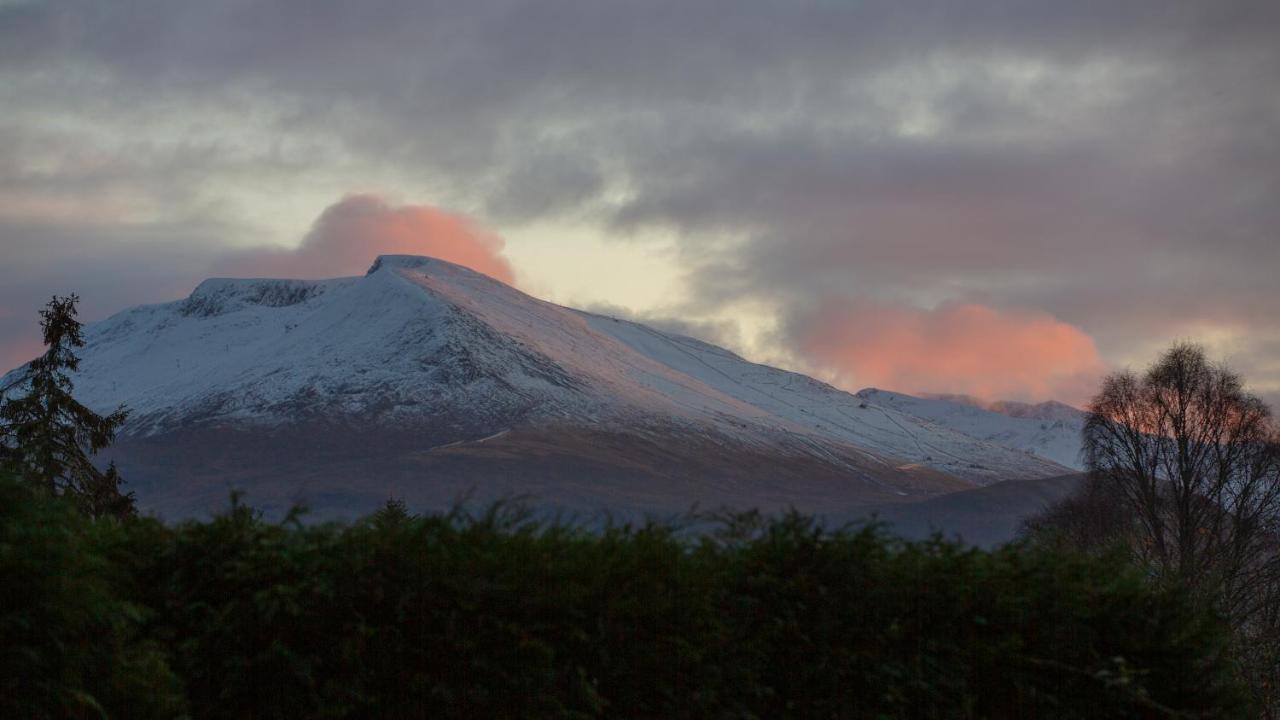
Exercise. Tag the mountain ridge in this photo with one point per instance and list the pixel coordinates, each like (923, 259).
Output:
(423, 356)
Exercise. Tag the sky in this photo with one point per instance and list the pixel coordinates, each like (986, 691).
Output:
(994, 197)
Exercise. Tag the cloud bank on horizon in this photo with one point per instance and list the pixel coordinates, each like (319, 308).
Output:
(880, 191)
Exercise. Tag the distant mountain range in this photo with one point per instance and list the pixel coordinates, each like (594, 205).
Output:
(427, 381)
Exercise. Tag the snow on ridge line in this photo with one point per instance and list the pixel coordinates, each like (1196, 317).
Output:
(419, 262)
(1053, 433)
(217, 296)
(401, 261)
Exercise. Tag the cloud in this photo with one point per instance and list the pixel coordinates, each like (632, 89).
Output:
(351, 232)
(961, 348)
(544, 185)
(1114, 164)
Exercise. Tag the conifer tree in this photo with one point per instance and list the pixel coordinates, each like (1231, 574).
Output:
(46, 436)
(393, 513)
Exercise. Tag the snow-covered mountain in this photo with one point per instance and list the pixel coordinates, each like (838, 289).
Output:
(1049, 410)
(426, 380)
(1050, 429)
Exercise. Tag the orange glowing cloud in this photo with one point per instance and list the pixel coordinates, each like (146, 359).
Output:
(350, 233)
(955, 348)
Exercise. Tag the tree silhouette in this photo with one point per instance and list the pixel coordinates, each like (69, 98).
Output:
(1195, 459)
(46, 436)
(1184, 474)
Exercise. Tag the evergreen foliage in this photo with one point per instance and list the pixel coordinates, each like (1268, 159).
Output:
(500, 615)
(47, 437)
(71, 644)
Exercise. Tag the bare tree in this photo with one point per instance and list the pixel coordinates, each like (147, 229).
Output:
(1184, 473)
(1194, 458)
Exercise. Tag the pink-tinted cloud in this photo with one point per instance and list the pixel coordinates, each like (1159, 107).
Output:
(955, 348)
(350, 233)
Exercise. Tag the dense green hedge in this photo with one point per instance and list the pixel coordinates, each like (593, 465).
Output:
(70, 645)
(499, 616)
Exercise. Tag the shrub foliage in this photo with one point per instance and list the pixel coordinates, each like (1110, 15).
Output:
(499, 615)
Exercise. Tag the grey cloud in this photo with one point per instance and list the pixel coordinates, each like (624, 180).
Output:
(1113, 163)
(109, 268)
(544, 185)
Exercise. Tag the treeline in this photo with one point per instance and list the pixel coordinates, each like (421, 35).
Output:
(454, 616)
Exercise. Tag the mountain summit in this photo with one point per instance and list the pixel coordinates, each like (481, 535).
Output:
(427, 381)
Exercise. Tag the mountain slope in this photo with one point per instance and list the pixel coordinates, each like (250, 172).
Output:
(1050, 430)
(423, 376)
